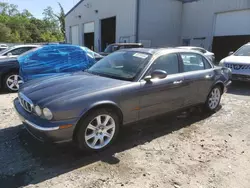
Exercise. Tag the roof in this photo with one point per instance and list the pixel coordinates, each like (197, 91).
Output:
(188, 47)
(26, 45)
(183, 1)
(74, 7)
(153, 51)
(124, 44)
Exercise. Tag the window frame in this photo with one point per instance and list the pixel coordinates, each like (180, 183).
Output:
(204, 59)
(24, 47)
(154, 58)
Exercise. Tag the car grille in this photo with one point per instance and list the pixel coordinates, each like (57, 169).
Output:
(237, 66)
(25, 102)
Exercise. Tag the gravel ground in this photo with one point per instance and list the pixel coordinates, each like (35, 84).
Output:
(191, 151)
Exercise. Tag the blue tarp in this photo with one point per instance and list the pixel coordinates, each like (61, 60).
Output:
(53, 59)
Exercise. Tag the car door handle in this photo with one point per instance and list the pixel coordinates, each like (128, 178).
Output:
(177, 82)
(208, 76)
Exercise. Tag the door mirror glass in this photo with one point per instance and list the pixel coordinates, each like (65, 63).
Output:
(230, 53)
(9, 54)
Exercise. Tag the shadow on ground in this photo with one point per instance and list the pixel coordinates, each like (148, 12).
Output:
(24, 160)
(239, 88)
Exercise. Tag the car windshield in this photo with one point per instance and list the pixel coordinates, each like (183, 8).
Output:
(109, 49)
(123, 65)
(32, 50)
(243, 51)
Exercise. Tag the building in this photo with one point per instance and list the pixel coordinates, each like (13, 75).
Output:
(217, 25)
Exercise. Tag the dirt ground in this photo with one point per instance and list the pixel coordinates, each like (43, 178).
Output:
(196, 151)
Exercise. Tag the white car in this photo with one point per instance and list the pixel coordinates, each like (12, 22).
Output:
(239, 63)
(209, 55)
(3, 47)
(16, 51)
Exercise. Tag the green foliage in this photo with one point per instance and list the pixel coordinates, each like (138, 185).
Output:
(16, 26)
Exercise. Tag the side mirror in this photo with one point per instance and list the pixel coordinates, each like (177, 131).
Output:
(160, 74)
(230, 53)
(9, 54)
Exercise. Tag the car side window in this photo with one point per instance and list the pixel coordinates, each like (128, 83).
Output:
(19, 51)
(168, 63)
(192, 62)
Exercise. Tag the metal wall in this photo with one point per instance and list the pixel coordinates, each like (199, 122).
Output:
(198, 18)
(160, 22)
(96, 10)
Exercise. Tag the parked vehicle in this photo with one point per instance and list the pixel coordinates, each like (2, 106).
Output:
(53, 59)
(46, 63)
(126, 86)
(118, 46)
(16, 51)
(209, 55)
(239, 63)
(9, 74)
(3, 47)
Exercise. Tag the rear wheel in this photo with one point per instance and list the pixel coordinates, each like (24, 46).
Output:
(98, 130)
(213, 100)
(12, 82)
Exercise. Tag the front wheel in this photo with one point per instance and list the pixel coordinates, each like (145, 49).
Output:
(12, 82)
(97, 130)
(213, 99)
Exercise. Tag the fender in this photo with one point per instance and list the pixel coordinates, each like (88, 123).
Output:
(99, 104)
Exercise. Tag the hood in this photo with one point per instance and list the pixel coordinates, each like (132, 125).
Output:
(57, 88)
(237, 59)
(7, 61)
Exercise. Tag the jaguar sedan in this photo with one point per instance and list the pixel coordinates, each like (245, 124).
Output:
(127, 86)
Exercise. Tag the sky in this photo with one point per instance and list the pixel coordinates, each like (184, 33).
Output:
(36, 7)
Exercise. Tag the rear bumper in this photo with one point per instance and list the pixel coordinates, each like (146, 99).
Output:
(42, 130)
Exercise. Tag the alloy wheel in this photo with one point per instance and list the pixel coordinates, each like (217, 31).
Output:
(13, 82)
(214, 98)
(100, 131)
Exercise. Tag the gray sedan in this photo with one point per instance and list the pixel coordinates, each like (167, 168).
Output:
(125, 87)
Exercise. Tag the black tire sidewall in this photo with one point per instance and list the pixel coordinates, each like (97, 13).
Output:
(6, 88)
(83, 123)
(207, 102)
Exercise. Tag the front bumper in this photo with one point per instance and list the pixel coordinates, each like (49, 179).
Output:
(44, 130)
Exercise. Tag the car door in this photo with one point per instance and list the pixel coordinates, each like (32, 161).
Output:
(159, 96)
(198, 74)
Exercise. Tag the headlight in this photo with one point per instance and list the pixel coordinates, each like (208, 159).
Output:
(38, 110)
(47, 114)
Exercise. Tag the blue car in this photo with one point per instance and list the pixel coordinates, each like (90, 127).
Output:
(53, 59)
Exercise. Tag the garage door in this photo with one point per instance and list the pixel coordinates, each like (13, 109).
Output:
(233, 23)
(75, 35)
(232, 30)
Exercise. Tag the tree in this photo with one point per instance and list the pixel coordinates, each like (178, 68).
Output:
(5, 33)
(21, 26)
(61, 19)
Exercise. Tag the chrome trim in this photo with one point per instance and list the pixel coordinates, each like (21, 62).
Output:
(37, 127)
(26, 103)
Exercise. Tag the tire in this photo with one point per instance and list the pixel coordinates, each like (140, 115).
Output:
(213, 99)
(11, 82)
(95, 136)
